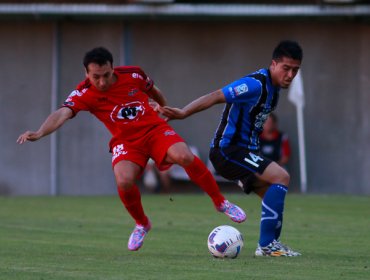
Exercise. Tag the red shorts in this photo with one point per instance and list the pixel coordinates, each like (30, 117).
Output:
(153, 145)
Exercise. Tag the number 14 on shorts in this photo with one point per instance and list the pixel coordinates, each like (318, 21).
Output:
(253, 159)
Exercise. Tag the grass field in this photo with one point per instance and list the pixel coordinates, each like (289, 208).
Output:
(86, 238)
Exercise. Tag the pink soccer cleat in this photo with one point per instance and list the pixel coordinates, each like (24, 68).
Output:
(137, 236)
(234, 212)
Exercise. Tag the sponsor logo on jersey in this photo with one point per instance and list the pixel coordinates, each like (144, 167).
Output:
(240, 89)
(128, 112)
(169, 132)
(69, 99)
(260, 119)
(76, 92)
(118, 150)
(231, 92)
(137, 76)
(132, 92)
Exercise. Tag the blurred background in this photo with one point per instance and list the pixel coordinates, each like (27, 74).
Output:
(189, 48)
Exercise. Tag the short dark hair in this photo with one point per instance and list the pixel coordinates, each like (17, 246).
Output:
(288, 48)
(99, 56)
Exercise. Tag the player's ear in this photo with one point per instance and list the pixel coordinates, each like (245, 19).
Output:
(273, 64)
(86, 70)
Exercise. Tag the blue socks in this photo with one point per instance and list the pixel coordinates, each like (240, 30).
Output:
(272, 214)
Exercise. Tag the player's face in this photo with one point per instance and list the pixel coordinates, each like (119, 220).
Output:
(101, 76)
(283, 71)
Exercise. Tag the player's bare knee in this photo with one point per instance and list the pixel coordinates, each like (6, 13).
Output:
(284, 177)
(124, 183)
(281, 176)
(184, 159)
(287, 180)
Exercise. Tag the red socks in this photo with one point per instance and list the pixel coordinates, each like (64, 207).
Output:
(131, 199)
(200, 175)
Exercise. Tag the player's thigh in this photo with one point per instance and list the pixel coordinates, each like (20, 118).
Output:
(275, 174)
(179, 153)
(167, 147)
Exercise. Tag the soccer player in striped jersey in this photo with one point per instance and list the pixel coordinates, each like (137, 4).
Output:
(119, 97)
(235, 148)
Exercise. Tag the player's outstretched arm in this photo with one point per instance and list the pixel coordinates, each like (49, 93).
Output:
(202, 103)
(52, 123)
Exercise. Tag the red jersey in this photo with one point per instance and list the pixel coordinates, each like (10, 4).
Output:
(124, 108)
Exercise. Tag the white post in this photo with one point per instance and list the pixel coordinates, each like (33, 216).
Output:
(296, 96)
(302, 152)
(53, 107)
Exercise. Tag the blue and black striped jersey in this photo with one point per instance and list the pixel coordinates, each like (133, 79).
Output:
(249, 100)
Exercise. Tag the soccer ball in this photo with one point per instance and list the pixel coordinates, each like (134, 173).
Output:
(225, 242)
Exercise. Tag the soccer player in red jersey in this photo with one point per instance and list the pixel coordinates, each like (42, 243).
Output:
(119, 97)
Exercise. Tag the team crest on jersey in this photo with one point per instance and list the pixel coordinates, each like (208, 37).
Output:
(240, 89)
(128, 112)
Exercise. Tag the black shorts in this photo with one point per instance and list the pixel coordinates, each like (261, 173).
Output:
(239, 164)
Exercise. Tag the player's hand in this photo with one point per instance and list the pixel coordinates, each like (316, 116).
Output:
(157, 108)
(28, 136)
(154, 105)
(172, 113)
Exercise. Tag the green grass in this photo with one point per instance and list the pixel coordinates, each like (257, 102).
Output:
(86, 238)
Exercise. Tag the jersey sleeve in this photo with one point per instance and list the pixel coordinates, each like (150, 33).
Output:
(242, 90)
(144, 81)
(75, 99)
(147, 84)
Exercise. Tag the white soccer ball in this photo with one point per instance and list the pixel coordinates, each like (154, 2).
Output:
(225, 242)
